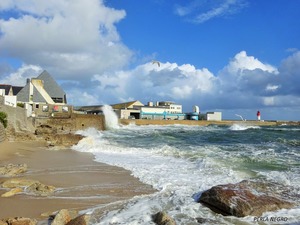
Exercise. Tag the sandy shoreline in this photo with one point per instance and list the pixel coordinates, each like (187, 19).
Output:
(81, 182)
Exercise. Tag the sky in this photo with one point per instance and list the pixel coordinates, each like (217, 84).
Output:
(230, 56)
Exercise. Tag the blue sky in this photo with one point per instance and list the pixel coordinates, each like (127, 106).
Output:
(233, 56)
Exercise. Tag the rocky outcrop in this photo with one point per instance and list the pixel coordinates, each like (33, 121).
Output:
(249, 198)
(63, 140)
(32, 187)
(162, 218)
(11, 170)
(18, 221)
(55, 137)
(62, 217)
(40, 189)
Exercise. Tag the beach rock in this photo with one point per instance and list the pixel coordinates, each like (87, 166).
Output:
(18, 182)
(45, 129)
(80, 220)
(247, 198)
(201, 220)
(2, 222)
(13, 170)
(162, 218)
(61, 218)
(20, 221)
(12, 192)
(65, 140)
(40, 189)
(31, 186)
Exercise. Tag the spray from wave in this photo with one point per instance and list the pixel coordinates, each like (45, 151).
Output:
(111, 118)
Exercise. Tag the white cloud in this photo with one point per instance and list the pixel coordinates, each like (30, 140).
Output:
(18, 78)
(61, 34)
(272, 88)
(198, 11)
(269, 101)
(242, 62)
(82, 98)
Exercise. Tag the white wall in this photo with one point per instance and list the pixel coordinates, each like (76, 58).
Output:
(214, 116)
(10, 100)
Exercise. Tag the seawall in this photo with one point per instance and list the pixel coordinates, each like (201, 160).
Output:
(197, 123)
(74, 123)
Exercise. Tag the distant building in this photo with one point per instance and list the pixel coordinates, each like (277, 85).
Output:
(43, 97)
(128, 110)
(165, 110)
(214, 116)
(9, 93)
(42, 89)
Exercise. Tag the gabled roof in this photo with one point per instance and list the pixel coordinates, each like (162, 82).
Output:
(129, 105)
(6, 87)
(16, 89)
(50, 85)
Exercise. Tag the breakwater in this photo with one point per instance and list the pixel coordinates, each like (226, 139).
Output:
(199, 122)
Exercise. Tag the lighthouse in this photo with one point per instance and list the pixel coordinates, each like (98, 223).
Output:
(258, 115)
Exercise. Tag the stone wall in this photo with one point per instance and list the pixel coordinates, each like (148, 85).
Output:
(2, 133)
(76, 122)
(17, 119)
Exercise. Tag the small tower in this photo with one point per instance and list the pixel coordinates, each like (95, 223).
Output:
(258, 115)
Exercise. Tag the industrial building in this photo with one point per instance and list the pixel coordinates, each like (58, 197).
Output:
(160, 110)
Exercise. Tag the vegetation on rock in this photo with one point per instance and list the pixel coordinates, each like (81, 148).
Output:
(3, 119)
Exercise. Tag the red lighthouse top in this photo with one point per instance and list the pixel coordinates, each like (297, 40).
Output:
(258, 113)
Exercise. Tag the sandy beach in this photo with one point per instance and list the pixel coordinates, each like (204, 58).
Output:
(80, 182)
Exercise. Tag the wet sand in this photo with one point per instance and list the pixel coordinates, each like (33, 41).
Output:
(80, 182)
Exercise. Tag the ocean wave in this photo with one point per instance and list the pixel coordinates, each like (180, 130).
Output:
(239, 127)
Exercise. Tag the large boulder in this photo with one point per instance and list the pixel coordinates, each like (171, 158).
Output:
(61, 218)
(249, 198)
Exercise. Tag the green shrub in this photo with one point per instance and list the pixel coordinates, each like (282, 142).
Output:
(19, 104)
(3, 119)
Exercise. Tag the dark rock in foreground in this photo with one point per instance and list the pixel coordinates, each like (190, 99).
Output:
(248, 198)
(162, 218)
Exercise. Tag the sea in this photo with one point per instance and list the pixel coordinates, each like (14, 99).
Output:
(181, 162)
